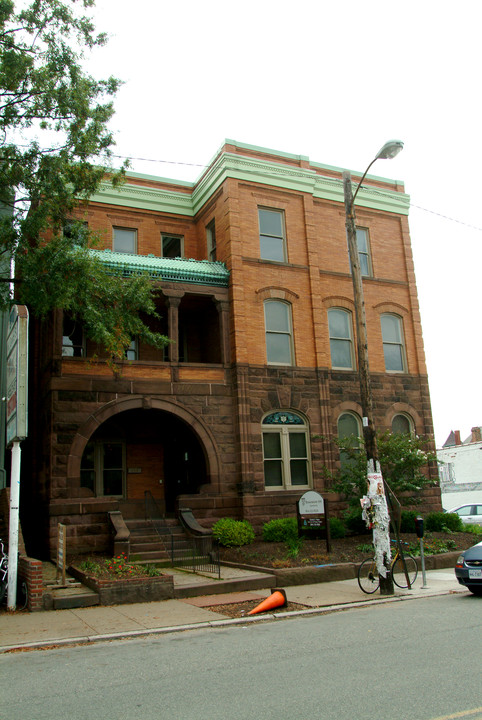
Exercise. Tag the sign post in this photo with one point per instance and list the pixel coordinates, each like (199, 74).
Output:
(313, 520)
(17, 357)
(61, 552)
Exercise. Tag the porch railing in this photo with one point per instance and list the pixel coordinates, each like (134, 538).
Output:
(155, 515)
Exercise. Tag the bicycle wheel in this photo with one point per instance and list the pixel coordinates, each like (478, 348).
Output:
(399, 573)
(368, 579)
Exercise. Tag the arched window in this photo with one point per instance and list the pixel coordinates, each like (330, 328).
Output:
(393, 344)
(402, 425)
(349, 428)
(279, 341)
(286, 451)
(341, 338)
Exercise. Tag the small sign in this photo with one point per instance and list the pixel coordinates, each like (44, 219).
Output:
(17, 358)
(61, 551)
(312, 512)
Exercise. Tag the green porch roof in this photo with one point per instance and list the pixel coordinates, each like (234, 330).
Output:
(200, 272)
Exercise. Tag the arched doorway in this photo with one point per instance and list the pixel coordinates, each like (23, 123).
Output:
(143, 449)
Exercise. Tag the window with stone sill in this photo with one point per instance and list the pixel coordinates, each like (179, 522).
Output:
(286, 451)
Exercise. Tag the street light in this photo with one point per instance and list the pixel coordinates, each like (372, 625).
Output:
(375, 501)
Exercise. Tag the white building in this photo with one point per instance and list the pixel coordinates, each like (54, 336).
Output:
(460, 469)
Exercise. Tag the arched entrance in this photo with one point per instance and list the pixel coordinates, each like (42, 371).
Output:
(141, 449)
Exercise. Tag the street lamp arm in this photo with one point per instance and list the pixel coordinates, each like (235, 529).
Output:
(387, 152)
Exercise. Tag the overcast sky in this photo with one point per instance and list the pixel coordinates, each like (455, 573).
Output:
(332, 81)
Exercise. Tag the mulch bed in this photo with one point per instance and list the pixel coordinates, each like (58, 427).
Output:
(241, 609)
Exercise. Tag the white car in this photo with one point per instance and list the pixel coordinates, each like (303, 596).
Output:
(470, 514)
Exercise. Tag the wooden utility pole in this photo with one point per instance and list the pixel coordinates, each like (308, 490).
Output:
(375, 486)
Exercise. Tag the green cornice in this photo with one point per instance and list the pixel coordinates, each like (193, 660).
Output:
(182, 270)
(247, 168)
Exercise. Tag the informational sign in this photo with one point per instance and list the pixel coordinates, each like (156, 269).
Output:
(61, 551)
(17, 377)
(312, 512)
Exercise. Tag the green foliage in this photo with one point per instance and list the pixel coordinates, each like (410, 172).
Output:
(433, 546)
(337, 528)
(402, 458)
(294, 545)
(354, 522)
(366, 548)
(55, 149)
(474, 529)
(117, 566)
(280, 530)
(407, 524)
(232, 533)
(443, 522)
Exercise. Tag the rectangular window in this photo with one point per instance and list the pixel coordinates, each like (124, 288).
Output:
(341, 338)
(73, 340)
(132, 352)
(286, 453)
(172, 246)
(279, 345)
(363, 245)
(211, 240)
(125, 240)
(272, 235)
(77, 231)
(393, 349)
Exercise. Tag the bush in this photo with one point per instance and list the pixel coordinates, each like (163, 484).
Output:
(337, 528)
(443, 522)
(355, 523)
(407, 524)
(280, 530)
(232, 533)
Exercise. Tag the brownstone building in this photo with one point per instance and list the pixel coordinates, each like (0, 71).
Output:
(236, 416)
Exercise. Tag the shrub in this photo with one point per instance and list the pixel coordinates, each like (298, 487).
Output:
(474, 529)
(443, 522)
(337, 528)
(280, 530)
(355, 523)
(231, 532)
(407, 524)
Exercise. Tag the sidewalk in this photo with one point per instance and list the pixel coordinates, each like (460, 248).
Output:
(93, 624)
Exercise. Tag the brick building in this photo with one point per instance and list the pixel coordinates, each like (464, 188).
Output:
(236, 416)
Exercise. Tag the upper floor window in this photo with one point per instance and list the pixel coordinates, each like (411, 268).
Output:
(285, 451)
(132, 352)
(402, 425)
(341, 338)
(363, 244)
(393, 347)
(272, 239)
(125, 240)
(77, 231)
(279, 342)
(211, 240)
(172, 246)
(73, 340)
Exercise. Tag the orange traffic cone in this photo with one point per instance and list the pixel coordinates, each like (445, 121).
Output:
(277, 599)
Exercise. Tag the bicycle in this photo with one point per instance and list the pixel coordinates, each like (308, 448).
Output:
(22, 590)
(369, 580)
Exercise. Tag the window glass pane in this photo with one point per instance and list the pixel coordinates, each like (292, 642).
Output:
(278, 348)
(171, 246)
(361, 240)
(341, 354)
(87, 472)
(270, 222)
(348, 425)
(297, 445)
(277, 317)
(273, 476)
(113, 482)
(271, 248)
(391, 329)
(125, 240)
(112, 455)
(72, 338)
(393, 357)
(364, 264)
(401, 425)
(299, 472)
(339, 322)
(467, 510)
(272, 445)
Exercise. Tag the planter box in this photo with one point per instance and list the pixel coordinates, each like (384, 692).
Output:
(118, 591)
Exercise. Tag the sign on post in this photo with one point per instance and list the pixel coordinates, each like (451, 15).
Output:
(17, 356)
(61, 551)
(313, 520)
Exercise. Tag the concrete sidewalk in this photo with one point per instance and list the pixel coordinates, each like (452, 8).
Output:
(91, 624)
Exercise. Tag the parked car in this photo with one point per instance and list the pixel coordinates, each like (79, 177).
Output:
(468, 569)
(469, 514)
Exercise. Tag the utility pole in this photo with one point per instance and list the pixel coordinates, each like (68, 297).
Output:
(375, 502)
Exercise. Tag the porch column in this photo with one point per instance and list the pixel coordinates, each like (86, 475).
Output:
(173, 300)
(222, 306)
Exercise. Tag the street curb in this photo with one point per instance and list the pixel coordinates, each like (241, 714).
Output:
(148, 632)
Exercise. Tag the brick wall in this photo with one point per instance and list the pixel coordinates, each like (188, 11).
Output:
(30, 572)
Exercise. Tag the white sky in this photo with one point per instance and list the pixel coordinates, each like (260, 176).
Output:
(333, 81)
